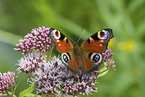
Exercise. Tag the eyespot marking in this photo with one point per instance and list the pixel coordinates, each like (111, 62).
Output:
(65, 58)
(96, 58)
(55, 34)
(104, 34)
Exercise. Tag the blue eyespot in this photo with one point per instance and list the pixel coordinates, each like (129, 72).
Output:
(108, 34)
(96, 58)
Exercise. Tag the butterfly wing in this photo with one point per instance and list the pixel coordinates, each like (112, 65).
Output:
(87, 63)
(65, 47)
(93, 48)
(98, 42)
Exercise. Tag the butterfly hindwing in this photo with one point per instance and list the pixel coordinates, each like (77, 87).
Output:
(70, 62)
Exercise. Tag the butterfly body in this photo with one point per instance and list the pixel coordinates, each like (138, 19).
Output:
(84, 58)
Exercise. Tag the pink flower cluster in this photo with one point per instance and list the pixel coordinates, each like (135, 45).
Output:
(107, 54)
(80, 84)
(7, 80)
(110, 63)
(38, 39)
(55, 78)
(30, 62)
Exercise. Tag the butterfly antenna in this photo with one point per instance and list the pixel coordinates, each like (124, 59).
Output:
(67, 36)
(81, 35)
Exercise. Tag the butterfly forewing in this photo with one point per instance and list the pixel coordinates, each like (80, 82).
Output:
(62, 43)
(98, 42)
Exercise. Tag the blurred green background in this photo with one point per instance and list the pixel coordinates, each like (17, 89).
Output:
(125, 17)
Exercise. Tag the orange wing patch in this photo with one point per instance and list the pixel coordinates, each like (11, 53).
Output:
(73, 65)
(87, 64)
(63, 45)
(94, 46)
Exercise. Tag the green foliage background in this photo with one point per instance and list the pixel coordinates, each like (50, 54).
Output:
(125, 17)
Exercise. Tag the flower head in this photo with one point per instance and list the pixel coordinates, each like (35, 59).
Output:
(37, 40)
(55, 79)
(29, 62)
(79, 84)
(7, 81)
(106, 55)
(109, 64)
(48, 79)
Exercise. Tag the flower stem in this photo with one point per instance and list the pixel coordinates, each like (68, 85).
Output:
(51, 49)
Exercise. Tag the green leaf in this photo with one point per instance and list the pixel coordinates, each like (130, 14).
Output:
(10, 93)
(32, 95)
(103, 71)
(16, 87)
(27, 91)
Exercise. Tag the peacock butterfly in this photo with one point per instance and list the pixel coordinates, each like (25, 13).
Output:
(84, 58)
